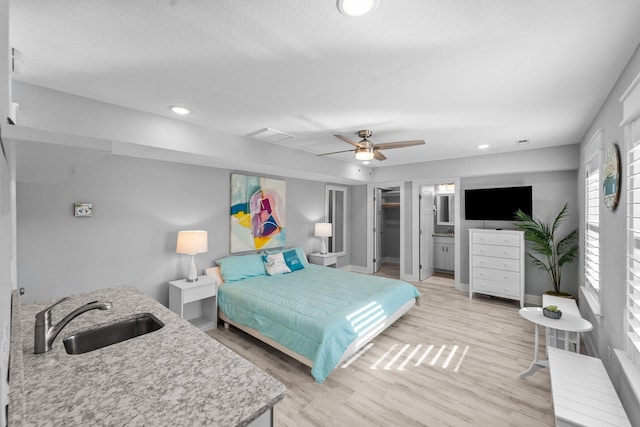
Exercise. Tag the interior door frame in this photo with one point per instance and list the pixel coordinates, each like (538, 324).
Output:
(415, 224)
(423, 231)
(370, 237)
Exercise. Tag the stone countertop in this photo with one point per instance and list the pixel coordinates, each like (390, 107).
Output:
(177, 375)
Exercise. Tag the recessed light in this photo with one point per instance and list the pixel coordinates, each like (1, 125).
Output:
(357, 7)
(482, 146)
(366, 162)
(183, 111)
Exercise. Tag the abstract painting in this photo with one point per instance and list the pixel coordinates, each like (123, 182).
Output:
(258, 207)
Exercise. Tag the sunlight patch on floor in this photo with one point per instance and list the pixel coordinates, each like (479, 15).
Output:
(446, 357)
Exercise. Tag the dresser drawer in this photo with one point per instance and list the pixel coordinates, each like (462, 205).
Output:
(198, 293)
(512, 252)
(497, 239)
(507, 264)
(496, 275)
(499, 288)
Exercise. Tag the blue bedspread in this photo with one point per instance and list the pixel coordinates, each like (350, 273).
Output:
(317, 311)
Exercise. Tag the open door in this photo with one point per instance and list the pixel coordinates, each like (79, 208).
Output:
(426, 228)
(377, 230)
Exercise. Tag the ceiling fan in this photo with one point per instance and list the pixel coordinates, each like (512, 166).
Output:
(366, 150)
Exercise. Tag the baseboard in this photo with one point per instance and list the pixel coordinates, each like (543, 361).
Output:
(355, 269)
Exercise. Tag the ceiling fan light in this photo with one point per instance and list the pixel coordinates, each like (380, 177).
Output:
(357, 7)
(363, 153)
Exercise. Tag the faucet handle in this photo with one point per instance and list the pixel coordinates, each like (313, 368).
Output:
(45, 314)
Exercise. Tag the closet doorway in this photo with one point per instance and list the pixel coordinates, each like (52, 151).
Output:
(387, 231)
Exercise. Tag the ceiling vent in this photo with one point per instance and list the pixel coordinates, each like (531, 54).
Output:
(270, 135)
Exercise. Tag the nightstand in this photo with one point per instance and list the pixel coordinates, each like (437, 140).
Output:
(325, 260)
(195, 301)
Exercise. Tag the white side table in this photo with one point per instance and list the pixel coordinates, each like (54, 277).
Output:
(568, 322)
(324, 259)
(195, 301)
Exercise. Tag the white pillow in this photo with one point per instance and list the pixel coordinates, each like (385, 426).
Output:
(214, 273)
(275, 264)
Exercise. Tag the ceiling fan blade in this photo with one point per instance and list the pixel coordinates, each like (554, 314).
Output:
(348, 141)
(398, 144)
(378, 155)
(335, 152)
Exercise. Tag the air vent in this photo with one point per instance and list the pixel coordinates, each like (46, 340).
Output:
(270, 135)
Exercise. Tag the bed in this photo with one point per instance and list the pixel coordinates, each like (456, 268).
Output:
(318, 315)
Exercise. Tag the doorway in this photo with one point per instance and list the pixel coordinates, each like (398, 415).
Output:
(435, 240)
(387, 231)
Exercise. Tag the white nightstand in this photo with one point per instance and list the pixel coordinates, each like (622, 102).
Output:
(325, 260)
(195, 301)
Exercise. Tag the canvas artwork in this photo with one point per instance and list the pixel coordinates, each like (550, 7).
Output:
(258, 207)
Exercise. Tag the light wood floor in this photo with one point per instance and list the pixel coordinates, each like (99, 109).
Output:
(479, 386)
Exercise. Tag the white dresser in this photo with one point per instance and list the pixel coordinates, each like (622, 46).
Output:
(496, 263)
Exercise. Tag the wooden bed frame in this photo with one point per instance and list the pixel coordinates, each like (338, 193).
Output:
(350, 351)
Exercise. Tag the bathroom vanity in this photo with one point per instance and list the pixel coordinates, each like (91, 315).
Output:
(175, 375)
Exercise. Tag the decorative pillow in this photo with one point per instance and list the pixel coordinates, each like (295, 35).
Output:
(240, 267)
(299, 251)
(275, 264)
(292, 260)
(215, 274)
(301, 256)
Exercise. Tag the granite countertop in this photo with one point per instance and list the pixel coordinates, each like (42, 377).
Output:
(177, 375)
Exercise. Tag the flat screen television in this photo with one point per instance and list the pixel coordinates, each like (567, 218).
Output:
(497, 204)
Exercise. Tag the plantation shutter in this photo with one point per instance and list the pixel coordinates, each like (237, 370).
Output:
(592, 225)
(632, 135)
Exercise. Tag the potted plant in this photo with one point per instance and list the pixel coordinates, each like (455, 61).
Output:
(552, 311)
(550, 252)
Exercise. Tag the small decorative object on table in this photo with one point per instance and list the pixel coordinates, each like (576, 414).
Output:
(552, 311)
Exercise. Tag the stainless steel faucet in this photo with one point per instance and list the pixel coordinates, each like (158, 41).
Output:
(45, 333)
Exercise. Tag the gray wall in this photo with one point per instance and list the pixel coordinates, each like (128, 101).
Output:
(551, 190)
(138, 208)
(357, 212)
(6, 237)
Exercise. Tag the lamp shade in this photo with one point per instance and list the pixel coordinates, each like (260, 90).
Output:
(323, 229)
(364, 153)
(192, 242)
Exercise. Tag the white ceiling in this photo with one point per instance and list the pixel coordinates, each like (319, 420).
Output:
(456, 73)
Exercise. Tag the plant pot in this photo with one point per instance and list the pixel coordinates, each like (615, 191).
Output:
(552, 314)
(560, 294)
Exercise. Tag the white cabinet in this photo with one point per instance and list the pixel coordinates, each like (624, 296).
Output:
(496, 263)
(195, 301)
(444, 253)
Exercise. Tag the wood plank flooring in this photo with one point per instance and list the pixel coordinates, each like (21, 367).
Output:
(380, 388)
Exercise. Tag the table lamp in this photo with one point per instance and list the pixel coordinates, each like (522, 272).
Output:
(323, 229)
(192, 242)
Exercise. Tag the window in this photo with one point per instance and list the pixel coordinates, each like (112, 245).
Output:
(592, 206)
(632, 135)
(335, 206)
(592, 227)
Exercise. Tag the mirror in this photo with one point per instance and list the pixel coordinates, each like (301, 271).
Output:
(445, 209)
(335, 212)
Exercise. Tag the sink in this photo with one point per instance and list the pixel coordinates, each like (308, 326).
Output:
(113, 333)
